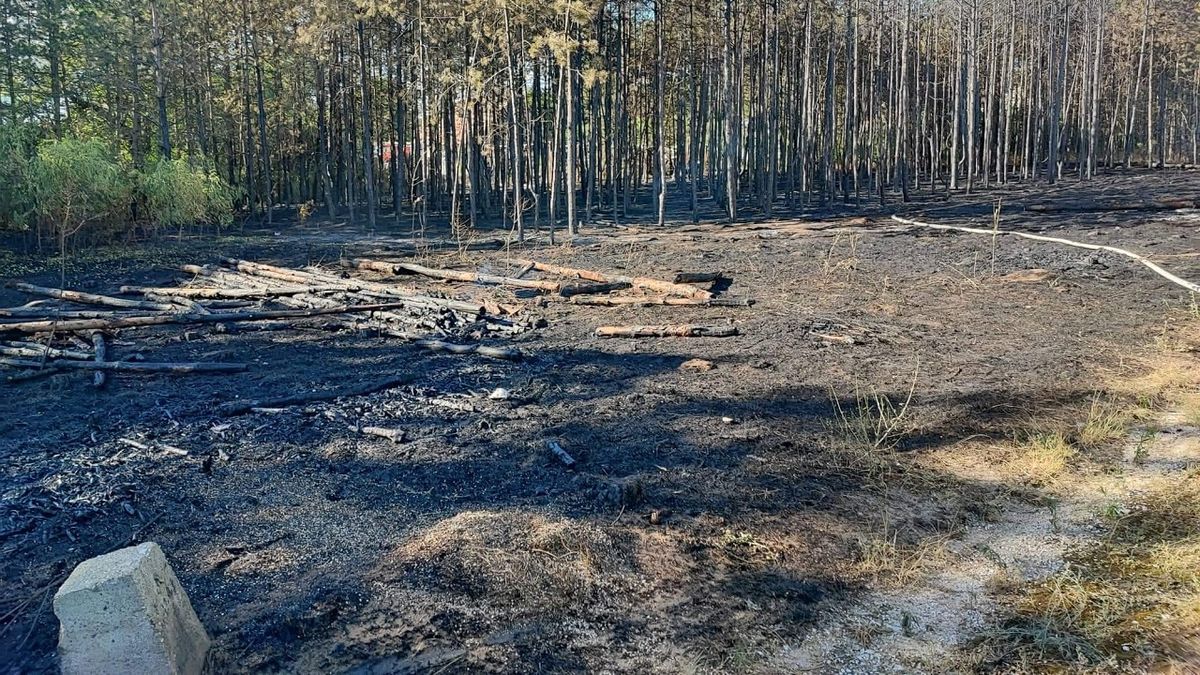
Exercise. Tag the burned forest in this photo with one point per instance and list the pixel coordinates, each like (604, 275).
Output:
(614, 336)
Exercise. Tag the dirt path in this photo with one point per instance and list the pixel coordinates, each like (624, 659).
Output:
(930, 625)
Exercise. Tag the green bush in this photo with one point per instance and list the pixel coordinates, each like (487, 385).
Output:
(178, 194)
(74, 184)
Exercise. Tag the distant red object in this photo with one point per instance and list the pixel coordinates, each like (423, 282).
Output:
(387, 148)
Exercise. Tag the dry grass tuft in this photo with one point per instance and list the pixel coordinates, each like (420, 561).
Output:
(1130, 601)
(888, 563)
(841, 264)
(1041, 457)
(521, 558)
(865, 433)
(1107, 421)
(1189, 408)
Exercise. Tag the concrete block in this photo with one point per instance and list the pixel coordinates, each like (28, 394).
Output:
(125, 612)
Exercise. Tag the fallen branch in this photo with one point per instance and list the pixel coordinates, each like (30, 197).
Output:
(130, 366)
(562, 455)
(525, 269)
(679, 330)
(238, 408)
(90, 298)
(1195, 288)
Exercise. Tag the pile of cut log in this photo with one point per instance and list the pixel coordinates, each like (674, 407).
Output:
(589, 287)
(70, 329)
(240, 293)
(579, 286)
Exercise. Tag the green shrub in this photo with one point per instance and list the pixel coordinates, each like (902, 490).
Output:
(75, 183)
(178, 194)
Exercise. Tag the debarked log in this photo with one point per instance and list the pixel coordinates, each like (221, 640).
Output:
(673, 330)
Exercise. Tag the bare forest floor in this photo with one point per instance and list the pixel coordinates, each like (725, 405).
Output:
(744, 518)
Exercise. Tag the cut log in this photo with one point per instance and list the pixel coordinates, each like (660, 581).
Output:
(676, 330)
(393, 435)
(186, 303)
(566, 290)
(241, 407)
(90, 298)
(100, 344)
(696, 277)
(642, 301)
(562, 455)
(163, 319)
(51, 313)
(131, 366)
(571, 290)
(230, 293)
(40, 351)
(648, 283)
(451, 275)
(1195, 288)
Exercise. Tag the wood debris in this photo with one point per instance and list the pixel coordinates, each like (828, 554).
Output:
(562, 455)
(393, 435)
(244, 294)
(672, 330)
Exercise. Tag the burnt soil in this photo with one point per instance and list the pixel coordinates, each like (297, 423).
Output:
(707, 523)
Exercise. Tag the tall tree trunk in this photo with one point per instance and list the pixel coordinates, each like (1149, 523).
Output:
(330, 196)
(514, 117)
(732, 103)
(659, 94)
(368, 148)
(160, 82)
